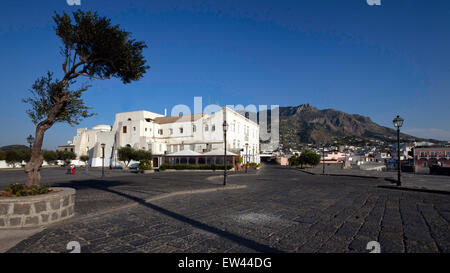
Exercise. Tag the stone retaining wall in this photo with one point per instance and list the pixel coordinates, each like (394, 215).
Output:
(38, 210)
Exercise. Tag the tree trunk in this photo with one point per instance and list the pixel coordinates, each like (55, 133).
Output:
(34, 165)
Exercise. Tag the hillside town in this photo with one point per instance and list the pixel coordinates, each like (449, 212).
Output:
(415, 157)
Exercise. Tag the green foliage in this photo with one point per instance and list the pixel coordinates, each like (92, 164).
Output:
(13, 157)
(307, 157)
(84, 158)
(22, 190)
(193, 167)
(2, 155)
(145, 164)
(50, 156)
(126, 154)
(240, 160)
(104, 50)
(47, 92)
(142, 155)
(24, 155)
(66, 156)
(310, 158)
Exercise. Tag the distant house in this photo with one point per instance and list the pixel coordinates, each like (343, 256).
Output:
(69, 147)
(431, 156)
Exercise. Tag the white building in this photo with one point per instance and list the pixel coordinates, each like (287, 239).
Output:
(165, 135)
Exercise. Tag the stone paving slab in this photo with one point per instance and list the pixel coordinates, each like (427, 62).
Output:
(280, 210)
(409, 180)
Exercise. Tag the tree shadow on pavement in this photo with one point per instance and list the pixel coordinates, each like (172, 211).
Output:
(106, 186)
(224, 234)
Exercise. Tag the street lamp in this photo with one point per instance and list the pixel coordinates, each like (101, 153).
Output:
(225, 129)
(398, 122)
(246, 156)
(103, 159)
(30, 140)
(323, 158)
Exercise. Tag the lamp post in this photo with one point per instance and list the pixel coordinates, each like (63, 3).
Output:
(30, 140)
(323, 159)
(225, 128)
(103, 160)
(398, 122)
(246, 156)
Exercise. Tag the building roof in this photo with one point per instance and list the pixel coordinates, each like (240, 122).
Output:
(218, 152)
(185, 153)
(173, 119)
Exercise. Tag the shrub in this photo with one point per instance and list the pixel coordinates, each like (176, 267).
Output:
(145, 164)
(13, 158)
(22, 190)
(50, 156)
(142, 155)
(66, 156)
(307, 157)
(84, 158)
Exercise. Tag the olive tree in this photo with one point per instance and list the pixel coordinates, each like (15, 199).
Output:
(92, 48)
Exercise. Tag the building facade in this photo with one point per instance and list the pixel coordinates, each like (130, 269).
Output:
(431, 156)
(165, 135)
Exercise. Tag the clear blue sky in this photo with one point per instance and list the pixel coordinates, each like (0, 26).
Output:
(372, 60)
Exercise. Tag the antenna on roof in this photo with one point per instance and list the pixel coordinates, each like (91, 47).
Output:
(165, 112)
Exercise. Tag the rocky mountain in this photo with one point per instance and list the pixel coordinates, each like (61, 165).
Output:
(306, 124)
(16, 147)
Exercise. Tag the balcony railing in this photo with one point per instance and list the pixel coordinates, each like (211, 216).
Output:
(438, 156)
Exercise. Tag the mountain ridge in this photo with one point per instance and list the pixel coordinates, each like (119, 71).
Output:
(306, 124)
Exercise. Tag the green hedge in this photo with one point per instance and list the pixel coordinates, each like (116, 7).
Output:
(193, 167)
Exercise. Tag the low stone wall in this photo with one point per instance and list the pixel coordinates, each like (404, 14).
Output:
(38, 210)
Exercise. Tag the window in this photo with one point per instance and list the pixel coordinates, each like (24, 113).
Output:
(194, 128)
(170, 131)
(146, 129)
(160, 131)
(206, 128)
(424, 164)
(148, 119)
(129, 119)
(124, 129)
(422, 154)
(134, 129)
(181, 130)
(448, 154)
(213, 127)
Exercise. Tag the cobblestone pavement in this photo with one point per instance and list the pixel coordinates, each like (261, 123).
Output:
(58, 174)
(281, 210)
(409, 180)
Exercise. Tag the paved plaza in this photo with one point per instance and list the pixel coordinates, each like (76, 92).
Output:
(275, 209)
